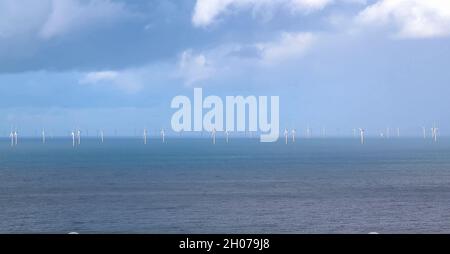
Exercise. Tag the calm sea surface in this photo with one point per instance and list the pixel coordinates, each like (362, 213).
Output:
(192, 186)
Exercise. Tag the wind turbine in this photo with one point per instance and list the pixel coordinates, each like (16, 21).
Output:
(434, 133)
(11, 135)
(43, 136)
(73, 138)
(15, 137)
(101, 136)
(293, 135)
(361, 132)
(286, 135)
(213, 134)
(227, 134)
(308, 132)
(163, 135)
(145, 136)
(79, 136)
(424, 132)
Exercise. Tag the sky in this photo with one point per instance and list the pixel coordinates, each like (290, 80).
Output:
(117, 64)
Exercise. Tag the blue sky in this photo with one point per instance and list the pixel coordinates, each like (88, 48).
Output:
(115, 64)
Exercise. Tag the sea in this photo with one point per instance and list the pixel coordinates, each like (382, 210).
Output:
(189, 185)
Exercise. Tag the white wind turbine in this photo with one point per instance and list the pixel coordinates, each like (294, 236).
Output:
(145, 136)
(354, 132)
(434, 131)
(43, 136)
(293, 132)
(79, 137)
(286, 133)
(101, 136)
(11, 135)
(361, 132)
(227, 134)
(308, 132)
(213, 134)
(424, 130)
(73, 138)
(163, 135)
(15, 137)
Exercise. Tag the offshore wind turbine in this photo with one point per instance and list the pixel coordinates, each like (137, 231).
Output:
(424, 130)
(163, 135)
(15, 137)
(43, 136)
(101, 136)
(286, 135)
(145, 136)
(213, 134)
(11, 135)
(79, 137)
(308, 132)
(227, 134)
(73, 138)
(361, 132)
(293, 132)
(434, 133)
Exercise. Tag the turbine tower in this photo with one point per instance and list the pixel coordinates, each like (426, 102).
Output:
(227, 134)
(15, 137)
(79, 137)
(11, 135)
(43, 136)
(145, 136)
(73, 138)
(293, 132)
(424, 130)
(101, 136)
(163, 135)
(286, 135)
(213, 134)
(361, 132)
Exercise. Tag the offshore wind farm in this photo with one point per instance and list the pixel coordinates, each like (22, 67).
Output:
(128, 184)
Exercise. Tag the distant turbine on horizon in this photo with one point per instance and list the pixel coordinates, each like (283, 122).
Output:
(286, 133)
(145, 136)
(11, 135)
(79, 137)
(101, 136)
(213, 134)
(293, 132)
(43, 136)
(73, 138)
(227, 135)
(163, 135)
(361, 132)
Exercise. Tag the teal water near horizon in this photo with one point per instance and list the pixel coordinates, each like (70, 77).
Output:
(189, 185)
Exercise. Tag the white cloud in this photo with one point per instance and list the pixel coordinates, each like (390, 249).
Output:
(225, 60)
(49, 18)
(130, 81)
(409, 18)
(194, 68)
(288, 46)
(207, 11)
(67, 15)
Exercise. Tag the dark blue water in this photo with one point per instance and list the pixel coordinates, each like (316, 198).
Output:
(192, 186)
